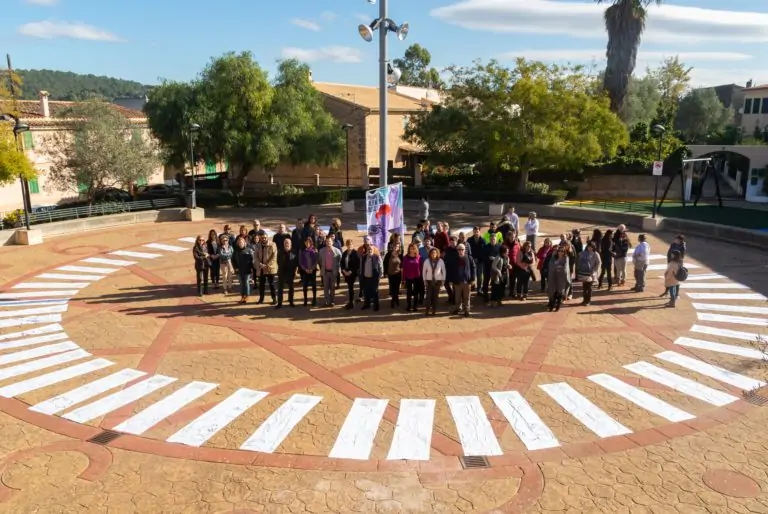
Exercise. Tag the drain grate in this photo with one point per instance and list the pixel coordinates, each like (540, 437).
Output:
(474, 462)
(755, 398)
(105, 437)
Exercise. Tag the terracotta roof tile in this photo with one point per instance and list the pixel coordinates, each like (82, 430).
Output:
(368, 97)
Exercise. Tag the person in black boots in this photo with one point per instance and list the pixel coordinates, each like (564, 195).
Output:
(202, 265)
(265, 265)
(350, 269)
(287, 265)
(477, 251)
(451, 260)
(370, 274)
(606, 257)
(393, 267)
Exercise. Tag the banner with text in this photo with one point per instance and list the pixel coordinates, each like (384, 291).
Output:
(384, 214)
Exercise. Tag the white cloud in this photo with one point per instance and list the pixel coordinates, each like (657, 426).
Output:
(42, 2)
(585, 19)
(364, 18)
(68, 30)
(329, 15)
(306, 24)
(338, 54)
(599, 55)
(709, 77)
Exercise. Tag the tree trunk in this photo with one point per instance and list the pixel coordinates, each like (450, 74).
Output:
(522, 186)
(624, 21)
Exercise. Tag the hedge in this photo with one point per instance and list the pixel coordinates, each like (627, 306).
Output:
(223, 198)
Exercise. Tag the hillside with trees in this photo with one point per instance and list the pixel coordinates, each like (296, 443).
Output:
(65, 85)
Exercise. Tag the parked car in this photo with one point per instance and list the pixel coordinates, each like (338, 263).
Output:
(158, 191)
(112, 194)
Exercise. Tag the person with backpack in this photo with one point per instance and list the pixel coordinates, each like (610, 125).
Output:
(674, 274)
(678, 245)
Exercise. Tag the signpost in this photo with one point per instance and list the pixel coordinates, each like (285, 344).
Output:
(658, 170)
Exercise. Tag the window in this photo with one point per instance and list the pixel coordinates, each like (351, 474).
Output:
(34, 186)
(29, 141)
(210, 168)
(764, 110)
(747, 105)
(755, 106)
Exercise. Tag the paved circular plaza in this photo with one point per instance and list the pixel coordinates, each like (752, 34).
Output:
(101, 336)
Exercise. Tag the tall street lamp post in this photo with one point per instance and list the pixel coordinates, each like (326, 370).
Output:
(194, 128)
(658, 131)
(346, 128)
(19, 128)
(384, 26)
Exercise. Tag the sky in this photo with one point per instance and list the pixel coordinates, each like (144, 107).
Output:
(151, 40)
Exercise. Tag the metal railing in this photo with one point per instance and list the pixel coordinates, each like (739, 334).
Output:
(100, 209)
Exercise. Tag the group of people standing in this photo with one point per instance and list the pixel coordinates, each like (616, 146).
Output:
(493, 264)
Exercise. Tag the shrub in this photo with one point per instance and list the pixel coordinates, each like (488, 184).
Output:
(540, 188)
(13, 219)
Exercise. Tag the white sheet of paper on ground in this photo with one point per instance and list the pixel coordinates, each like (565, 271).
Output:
(280, 423)
(712, 285)
(725, 318)
(528, 426)
(222, 414)
(701, 344)
(681, 384)
(66, 276)
(47, 329)
(87, 269)
(723, 375)
(724, 332)
(661, 267)
(641, 398)
(475, 431)
(51, 285)
(87, 391)
(589, 414)
(167, 248)
(155, 413)
(740, 309)
(412, 439)
(37, 365)
(355, 439)
(38, 294)
(54, 377)
(40, 351)
(119, 399)
(109, 262)
(52, 309)
(726, 296)
(30, 320)
(31, 341)
(135, 255)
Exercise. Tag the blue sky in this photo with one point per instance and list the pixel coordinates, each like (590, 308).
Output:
(146, 40)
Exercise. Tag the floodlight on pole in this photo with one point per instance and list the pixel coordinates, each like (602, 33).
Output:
(194, 128)
(386, 74)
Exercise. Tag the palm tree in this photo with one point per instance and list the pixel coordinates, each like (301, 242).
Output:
(624, 22)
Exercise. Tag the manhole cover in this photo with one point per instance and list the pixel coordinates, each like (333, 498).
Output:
(755, 398)
(474, 462)
(731, 483)
(105, 437)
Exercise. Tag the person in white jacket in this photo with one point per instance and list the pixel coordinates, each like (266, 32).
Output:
(433, 271)
(640, 258)
(532, 229)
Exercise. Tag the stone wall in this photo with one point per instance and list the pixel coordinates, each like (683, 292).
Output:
(626, 186)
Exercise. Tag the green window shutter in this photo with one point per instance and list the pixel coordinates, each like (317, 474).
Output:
(142, 181)
(29, 141)
(210, 168)
(34, 186)
(82, 188)
(226, 165)
(136, 134)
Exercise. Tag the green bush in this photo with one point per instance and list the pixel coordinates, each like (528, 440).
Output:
(284, 197)
(540, 188)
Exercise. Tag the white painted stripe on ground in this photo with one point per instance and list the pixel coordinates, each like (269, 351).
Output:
(30, 320)
(31, 312)
(725, 318)
(726, 296)
(723, 375)
(192, 240)
(37, 294)
(222, 414)
(362, 227)
(167, 248)
(40, 351)
(742, 309)
(87, 269)
(712, 285)
(47, 362)
(27, 303)
(66, 276)
(355, 440)
(119, 399)
(135, 255)
(589, 414)
(641, 398)
(724, 332)
(108, 262)
(749, 353)
(54, 377)
(652, 257)
(413, 431)
(528, 426)
(155, 413)
(47, 329)
(681, 384)
(475, 431)
(662, 267)
(86, 392)
(703, 276)
(31, 341)
(51, 285)
(277, 426)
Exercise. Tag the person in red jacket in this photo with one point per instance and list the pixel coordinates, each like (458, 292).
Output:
(513, 246)
(441, 237)
(542, 262)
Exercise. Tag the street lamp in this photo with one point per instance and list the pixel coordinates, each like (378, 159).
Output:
(658, 131)
(346, 128)
(18, 128)
(194, 128)
(384, 25)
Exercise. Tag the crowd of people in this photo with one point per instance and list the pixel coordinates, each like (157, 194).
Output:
(489, 264)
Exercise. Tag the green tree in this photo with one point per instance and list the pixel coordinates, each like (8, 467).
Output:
(701, 115)
(624, 22)
(673, 78)
(170, 109)
(102, 150)
(415, 68)
(641, 102)
(13, 162)
(65, 85)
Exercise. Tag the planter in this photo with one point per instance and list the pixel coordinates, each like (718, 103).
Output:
(495, 209)
(348, 207)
